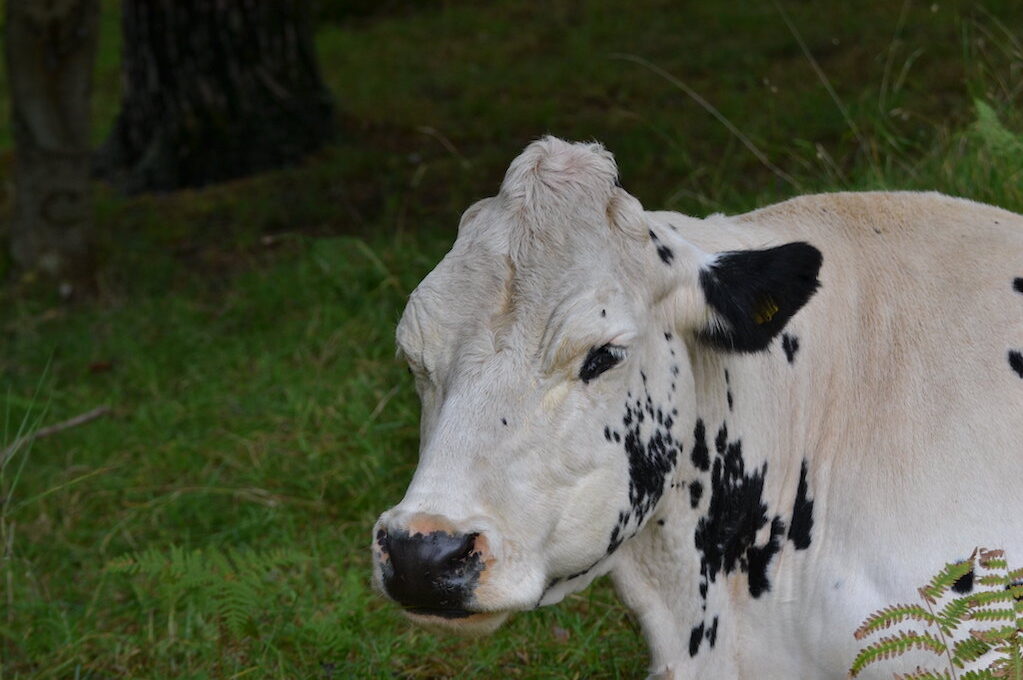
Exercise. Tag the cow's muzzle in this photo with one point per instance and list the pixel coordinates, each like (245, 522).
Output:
(431, 574)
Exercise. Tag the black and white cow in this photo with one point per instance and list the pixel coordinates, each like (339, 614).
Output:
(765, 427)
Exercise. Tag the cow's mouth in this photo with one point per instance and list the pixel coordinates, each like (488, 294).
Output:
(443, 613)
(460, 621)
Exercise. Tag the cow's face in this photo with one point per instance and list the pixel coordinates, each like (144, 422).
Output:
(550, 388)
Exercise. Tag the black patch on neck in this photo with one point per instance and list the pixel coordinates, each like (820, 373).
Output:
(802, 513)
(790, 344)
(756, 292)
(1016, 362)
(651, 460)
(728, 391)
(695, 638)
(964, 584)
(721, 441)
(712, 633)
(1017, 284)
(663, 251)
(759, 559)
(700, 453)
(726, 535)
(695, 493)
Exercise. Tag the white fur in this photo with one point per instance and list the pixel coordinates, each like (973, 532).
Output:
(901, 400)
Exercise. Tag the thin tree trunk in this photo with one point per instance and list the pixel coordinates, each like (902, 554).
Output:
(214, 89)
(51, 46)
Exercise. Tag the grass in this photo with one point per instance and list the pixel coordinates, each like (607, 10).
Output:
(242, 334)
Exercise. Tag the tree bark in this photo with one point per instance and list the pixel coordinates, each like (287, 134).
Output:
(214, 89)
(51, 46)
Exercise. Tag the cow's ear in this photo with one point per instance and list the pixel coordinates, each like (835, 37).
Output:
(752, 294)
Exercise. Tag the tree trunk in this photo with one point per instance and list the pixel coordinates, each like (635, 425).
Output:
(214, 89)
(51, 46)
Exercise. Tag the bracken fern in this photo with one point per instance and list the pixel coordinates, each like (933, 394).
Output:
(998, 598)
(232, 587)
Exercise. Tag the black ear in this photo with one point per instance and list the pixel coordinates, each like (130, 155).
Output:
(754, 293)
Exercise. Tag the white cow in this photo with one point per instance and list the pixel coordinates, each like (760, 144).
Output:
(765, 427)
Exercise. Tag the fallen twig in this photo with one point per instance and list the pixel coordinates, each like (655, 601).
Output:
(80, 419)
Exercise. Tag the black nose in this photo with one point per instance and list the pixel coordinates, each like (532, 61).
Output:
(432, 573)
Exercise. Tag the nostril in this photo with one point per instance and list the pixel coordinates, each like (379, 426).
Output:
(434, 572)
(443, 550)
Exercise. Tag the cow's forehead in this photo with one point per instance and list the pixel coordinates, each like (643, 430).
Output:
(545, 257)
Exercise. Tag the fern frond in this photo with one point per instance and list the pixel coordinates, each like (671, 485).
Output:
(995, 636)
(889, 616)
(895, 645)
(969, 650)
(993, 615)
(954, 613)
(992, 559)
(989, 597)
(940, 584)
(985, 674)
(992, 580)
(924, 674)
(237, 601)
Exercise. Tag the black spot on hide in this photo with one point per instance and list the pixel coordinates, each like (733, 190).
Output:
(650, 458)
(721, 441)
(790, 344)
(617, 533)
(652, 453)
(660, 522)
(663, 251)
(1017, 284)
(964, 584)
(1016, 362)
(695, 638)
(712, 633)
(700, 454)
(695, 493)
(802, 513)
(504, 421)
(726, 535)
(759, 558)
(755, 293)
(603, 313)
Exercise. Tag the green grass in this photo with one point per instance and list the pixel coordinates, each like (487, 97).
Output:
(243, 334)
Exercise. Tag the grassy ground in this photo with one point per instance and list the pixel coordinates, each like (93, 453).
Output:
(216, 524)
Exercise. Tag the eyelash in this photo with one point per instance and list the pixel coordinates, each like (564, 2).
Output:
(599, 360)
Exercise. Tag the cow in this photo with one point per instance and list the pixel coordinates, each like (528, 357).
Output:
(765, 427)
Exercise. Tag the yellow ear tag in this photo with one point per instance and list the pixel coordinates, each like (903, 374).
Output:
(766, 311)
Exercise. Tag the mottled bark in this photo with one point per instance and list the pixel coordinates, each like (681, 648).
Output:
(51, 46)
(214, 89)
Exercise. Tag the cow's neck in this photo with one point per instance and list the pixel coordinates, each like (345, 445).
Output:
(728, 516)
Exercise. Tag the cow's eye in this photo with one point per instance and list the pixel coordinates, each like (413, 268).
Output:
(599, 360)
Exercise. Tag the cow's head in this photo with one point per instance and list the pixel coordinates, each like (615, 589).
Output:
(540, 345)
